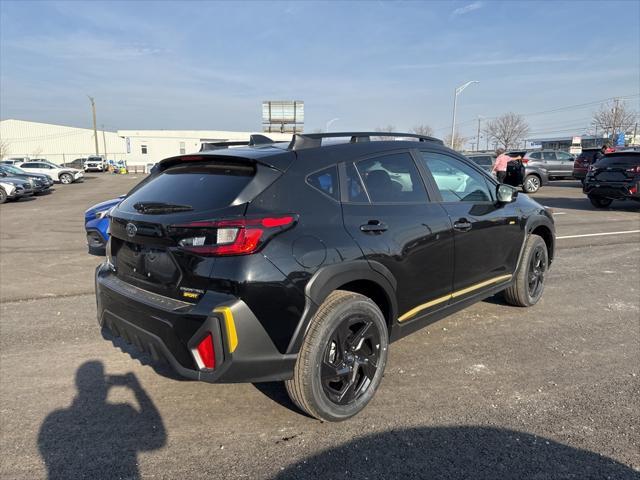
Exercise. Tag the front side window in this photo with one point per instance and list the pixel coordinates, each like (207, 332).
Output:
(536, 155)
(355, 189)
(564, 156)
(326, 181)
(392, 178)
(456, 181)
(143, 149)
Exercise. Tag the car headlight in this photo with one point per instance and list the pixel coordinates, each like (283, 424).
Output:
(104, 213)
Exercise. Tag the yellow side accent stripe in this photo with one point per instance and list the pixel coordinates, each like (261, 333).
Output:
(459, 293)
(230, 325)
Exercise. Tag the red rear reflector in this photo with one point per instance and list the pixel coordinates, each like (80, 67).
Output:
(207, 353)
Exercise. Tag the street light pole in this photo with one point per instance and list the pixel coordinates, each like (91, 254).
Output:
(95, 130)
(455, 107)
(329, 124)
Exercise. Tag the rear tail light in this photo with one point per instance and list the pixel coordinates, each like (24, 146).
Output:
(633, 190)
(635, 169)
(206, 353)
(229, 237)
(525, 160)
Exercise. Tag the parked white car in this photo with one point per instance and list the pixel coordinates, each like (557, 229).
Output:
(95, 164)
(60, 174)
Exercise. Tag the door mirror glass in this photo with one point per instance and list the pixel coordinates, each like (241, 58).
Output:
(506, 193)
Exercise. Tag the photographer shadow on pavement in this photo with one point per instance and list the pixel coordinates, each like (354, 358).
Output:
(466, 452)
(95, 439)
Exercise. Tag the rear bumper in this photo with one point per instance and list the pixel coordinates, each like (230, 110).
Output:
(613, 190)
(169, 329)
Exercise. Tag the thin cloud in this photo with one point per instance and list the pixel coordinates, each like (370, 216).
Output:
(490, 62)
(466, 9)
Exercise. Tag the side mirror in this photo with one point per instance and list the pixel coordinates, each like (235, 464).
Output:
(506, 193)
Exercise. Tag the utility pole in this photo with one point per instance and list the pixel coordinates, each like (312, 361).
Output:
(95, 130)
(104, 144)
(478, 136)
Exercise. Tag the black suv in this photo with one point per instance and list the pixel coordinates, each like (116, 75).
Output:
(301, 261)
(616, 176)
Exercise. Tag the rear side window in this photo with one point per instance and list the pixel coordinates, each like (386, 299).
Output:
(199, 186)
(548, 155)
(392, 179)
(326, 181)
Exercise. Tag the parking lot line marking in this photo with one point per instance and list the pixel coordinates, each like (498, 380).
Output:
(597, 234)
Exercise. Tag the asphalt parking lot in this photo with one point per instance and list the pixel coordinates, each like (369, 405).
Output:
(491, 392)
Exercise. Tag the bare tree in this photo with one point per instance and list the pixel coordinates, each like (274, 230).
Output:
(4, 148)
(388, 129)
(425, 130)
(508, 130)
(459, 142)
(614, 117)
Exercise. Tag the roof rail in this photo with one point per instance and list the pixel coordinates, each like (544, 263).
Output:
(313, 140)
(255, 139)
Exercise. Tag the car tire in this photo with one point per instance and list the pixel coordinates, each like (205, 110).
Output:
(528, 284)
(531, 184)
(66, 178)
(347, 331)
(3, 195)
(600, 202)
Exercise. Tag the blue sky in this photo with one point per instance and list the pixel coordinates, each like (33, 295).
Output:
(199, 65)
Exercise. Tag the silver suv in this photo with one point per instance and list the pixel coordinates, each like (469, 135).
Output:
(558, 164)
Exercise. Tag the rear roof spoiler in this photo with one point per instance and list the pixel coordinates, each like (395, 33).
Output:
(255, 139)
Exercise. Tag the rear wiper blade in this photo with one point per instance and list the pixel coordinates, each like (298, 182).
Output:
(160, 207)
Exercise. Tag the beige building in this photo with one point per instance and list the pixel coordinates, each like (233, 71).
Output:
(59, 144)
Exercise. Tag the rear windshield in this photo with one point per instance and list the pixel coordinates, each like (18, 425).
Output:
(619, 160)
(201, 187)
(482, 160)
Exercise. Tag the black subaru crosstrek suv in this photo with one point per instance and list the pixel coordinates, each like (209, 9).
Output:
(301, 262)
(615, 176)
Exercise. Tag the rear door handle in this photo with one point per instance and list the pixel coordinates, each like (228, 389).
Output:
(462, 225)
(374, 226)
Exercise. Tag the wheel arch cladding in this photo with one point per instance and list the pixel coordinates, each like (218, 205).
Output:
(357, 276)
(545, 232)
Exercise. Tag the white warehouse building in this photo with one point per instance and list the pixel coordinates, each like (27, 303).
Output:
(60, 144)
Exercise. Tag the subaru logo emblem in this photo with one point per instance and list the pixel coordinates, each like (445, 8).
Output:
(131, 230)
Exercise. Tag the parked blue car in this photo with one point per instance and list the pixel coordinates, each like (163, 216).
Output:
(96, 224)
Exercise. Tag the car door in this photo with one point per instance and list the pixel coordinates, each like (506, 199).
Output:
(386, 210)
(35, 167)
(552, 164)
(566, 163)
(487, 235)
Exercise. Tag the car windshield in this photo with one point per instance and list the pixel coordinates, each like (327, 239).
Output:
(12, 169)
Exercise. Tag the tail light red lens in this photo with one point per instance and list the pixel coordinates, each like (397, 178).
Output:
(229, 237)
(206, 353)
(635, 169)
(525, 160)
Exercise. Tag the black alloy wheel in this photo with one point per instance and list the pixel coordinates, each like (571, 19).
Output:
(350, 360)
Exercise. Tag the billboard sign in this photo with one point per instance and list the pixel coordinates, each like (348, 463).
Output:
(620, 139)
(283, 116)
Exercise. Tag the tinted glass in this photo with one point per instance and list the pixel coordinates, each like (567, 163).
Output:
(536, 155)
(31, 165)
(619, 160)
(548, 155)
(202, 187)
(355, 190)
(456, 181)
(326, 181)
(392, 179)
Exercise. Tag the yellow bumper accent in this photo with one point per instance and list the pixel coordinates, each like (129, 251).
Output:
(414, 311)
(230, 325)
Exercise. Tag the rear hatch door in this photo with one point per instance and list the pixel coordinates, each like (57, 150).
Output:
(616, 168)
(145, 245)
